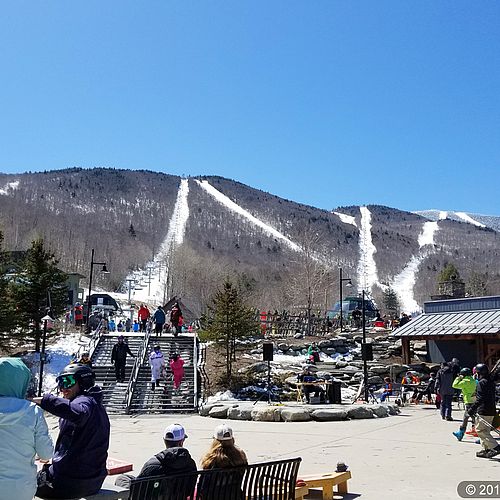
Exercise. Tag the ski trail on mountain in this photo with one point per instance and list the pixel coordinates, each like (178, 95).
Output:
(10, 186)
(347, 219)
(443, 214)
(178, 221)
(367, 268)
(467, 218)
(231, 205)
(404, 282)
(153, 277)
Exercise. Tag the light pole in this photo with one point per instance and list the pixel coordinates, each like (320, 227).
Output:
(46, 319)
(366, 349)
(104, 270)
(349, 283)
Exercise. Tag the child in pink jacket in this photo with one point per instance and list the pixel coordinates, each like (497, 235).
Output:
(177, 367)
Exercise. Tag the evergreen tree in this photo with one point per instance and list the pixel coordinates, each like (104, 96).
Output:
(40, 285)
(476, 285)
(390, 300)
(131, 231)
(228, 320)
(7, 311)
(449, 273)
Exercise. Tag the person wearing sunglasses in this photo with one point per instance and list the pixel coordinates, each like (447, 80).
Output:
(78, 466)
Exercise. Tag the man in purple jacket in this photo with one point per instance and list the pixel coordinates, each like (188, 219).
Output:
(79, 463)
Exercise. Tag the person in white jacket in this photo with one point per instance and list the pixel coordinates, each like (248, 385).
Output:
(157, 363)
(23, 433)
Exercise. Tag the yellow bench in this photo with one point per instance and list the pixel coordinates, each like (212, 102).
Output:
(327, 482)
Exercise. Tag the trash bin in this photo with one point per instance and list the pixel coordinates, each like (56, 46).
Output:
(334, 394)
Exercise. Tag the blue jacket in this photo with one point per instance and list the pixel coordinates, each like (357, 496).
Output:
(23, 433)
(159, 316)
(79, 462)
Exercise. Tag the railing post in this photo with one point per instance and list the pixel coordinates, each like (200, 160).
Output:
(195, 370)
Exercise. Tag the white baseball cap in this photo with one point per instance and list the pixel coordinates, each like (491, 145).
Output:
(223, 432)
(174, 432)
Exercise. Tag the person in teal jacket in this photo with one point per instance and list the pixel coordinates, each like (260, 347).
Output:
(467, 384)
(23, 432)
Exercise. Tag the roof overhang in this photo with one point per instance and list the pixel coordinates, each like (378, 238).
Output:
(458, 325)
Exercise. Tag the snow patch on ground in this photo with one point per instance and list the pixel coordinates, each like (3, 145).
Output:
(443, 215)
(367, 268)
(404, 282)
(59, 354)
(10, 186)
(467, 218)
(231, 205)
(347, 219)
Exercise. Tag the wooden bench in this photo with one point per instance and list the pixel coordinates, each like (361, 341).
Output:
(270, 480)
(327, 483)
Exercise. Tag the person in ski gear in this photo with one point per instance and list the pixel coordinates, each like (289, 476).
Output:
(159, 318)
(444, 381)
(466, 383)
(157, 364)
(485, 409)
(78, 466)
(175, 318)
(119, 358)
(23, 432)
(177, 367)
(313, 353)
(143, 316)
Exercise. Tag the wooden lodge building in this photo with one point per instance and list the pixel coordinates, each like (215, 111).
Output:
(467, 329)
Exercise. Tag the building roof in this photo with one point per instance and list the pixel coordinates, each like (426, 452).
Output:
(486, 322)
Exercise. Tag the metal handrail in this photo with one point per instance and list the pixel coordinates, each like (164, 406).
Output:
(203, 373)
(139, 359)
(195, 370)
(94, 341)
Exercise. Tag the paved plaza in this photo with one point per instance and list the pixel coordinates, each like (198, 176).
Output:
(409, 456)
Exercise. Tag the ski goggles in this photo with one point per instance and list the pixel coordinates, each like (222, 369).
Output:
(65, 381)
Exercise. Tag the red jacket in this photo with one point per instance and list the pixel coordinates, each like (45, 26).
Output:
(143, 313)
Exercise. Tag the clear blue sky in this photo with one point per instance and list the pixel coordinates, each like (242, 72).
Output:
(324, 102)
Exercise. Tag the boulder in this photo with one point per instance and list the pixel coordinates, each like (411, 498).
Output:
(325, 343)
(238, 413)
(295, 415)
(329, 350)
(341, 364)
(329, 415)
(342, 349)
(204, 410)
(218, 412)
(375, 380)
(359, 412)
(324, 375)
(380, 411)
(393, 409)
(282, 346)
(259, 367)
(379, 370)
(337, 343)
(268, 414)
(298, 336)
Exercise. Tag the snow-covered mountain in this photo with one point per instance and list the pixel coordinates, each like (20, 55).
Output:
(171, 235)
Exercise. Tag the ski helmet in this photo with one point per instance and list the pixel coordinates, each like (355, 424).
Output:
(71, 374)
(466, 372)
(482, 370)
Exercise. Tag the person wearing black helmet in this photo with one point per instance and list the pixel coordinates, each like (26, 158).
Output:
(119, 358)
(79, 463)
(485, 409)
